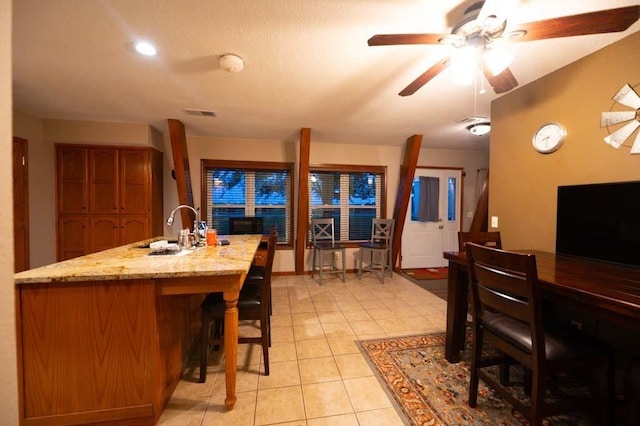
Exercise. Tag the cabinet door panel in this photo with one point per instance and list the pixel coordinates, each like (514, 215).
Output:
(73, 236)
(103, 179)
(104, 233)
(72, 180)
(134, 228)
(135, 180)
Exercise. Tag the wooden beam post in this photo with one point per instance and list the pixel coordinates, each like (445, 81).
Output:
(480, 222)
(182, 173)
(407, 171)
(303, 200)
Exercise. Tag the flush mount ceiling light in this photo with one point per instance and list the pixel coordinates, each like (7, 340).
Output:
(479, 129)
(145, 48)
(231, 63)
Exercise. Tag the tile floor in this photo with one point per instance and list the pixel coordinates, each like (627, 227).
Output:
(318, 375)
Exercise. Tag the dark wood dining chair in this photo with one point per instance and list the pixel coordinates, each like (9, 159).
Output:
(253, 304)
(507, 314)
(375, 255)
(488, 238)
(323, 240)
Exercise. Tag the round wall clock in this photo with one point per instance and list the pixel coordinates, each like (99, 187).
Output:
(549, 137)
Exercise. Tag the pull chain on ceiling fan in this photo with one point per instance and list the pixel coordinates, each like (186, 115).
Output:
(484, 27)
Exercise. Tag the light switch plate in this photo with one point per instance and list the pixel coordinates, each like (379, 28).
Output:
(494, 221)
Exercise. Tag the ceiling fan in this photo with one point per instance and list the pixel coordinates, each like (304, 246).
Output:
(483, 28)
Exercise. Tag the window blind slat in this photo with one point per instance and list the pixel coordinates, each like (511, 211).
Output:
(238, 192)
(353, 199)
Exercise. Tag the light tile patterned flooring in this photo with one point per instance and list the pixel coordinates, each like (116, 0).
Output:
(318, 375)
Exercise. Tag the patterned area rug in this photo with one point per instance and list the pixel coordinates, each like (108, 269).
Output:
(431, 391)
(427, 273)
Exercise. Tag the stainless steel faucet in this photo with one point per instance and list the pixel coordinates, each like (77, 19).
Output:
(196, 220)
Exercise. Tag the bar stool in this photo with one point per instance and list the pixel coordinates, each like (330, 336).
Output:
(322, 234)
(378, 249)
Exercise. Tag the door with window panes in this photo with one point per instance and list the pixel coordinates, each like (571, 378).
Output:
(433, 218)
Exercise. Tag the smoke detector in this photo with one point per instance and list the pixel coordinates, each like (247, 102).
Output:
(231, 63)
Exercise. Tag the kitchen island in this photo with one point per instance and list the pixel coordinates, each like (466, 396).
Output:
(103, 338)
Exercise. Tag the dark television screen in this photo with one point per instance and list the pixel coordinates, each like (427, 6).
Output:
(600, 221)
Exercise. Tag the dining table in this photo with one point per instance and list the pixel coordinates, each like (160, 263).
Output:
(602, 290)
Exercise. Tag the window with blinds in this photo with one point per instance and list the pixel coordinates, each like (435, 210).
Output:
(351, 195)
(248, 189)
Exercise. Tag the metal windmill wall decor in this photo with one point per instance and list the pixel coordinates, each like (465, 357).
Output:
(627, 97)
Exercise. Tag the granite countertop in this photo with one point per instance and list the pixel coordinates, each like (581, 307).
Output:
(133, 262)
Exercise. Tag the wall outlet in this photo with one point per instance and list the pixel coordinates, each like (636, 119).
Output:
(494, 221)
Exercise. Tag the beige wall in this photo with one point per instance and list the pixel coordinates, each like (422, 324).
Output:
(41, 189)
(321, 153)
(8, 372)
(95, 132)
(42, 135)
(474, 164)
(523, 182)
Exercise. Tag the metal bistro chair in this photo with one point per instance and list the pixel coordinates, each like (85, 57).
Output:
(377, 251)
(323, 239)
(507, 313)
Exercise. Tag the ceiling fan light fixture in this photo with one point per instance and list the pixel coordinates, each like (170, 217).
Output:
(497, 59)
(479, 129)
(463, 65)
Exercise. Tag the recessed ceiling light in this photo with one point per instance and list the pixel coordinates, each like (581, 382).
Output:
(145, 48)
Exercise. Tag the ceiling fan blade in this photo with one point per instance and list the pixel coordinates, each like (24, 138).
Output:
(425, 77)
(635, 149)
(502, 82)
(501, 9)
(627, 97)
(603, 21)
(618, 137)
(392, 39)
(614, 117)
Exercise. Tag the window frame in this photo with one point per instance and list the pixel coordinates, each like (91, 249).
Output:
(348, 169)
(252, 166)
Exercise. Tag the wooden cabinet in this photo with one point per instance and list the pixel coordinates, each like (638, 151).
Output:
(103, 181)
(73, 236)
(106, 196)
(72, 169)
(133, 228)
(135, 180)
(104, 233)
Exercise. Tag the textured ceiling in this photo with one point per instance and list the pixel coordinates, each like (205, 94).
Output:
(307, 64)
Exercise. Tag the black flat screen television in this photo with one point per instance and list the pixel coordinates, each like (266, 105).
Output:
(600, 221)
